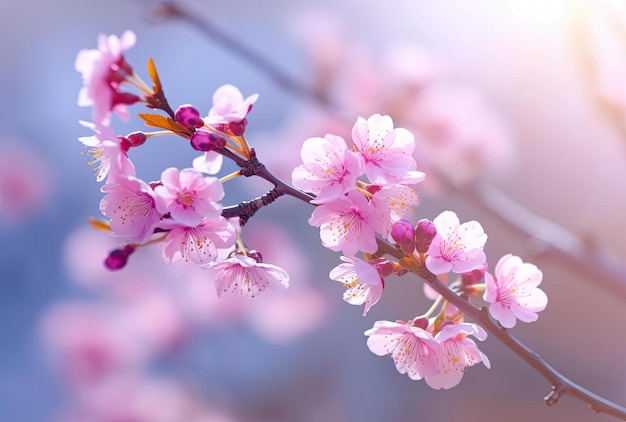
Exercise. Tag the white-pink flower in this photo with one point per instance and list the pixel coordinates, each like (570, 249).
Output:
(245, 276)
(386, 152)
(198, 244)
(513, 293)
(329, 168)
(456, 247)
(102, 70)
(188, 196)
(457, 352)
(106, 153)
(229, 105)
(130, 204)
(363, 282)
(348, 224)
(413, 349)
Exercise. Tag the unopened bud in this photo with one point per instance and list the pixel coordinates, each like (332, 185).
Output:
(125, 98)
(403, 234)
(136, 138)
(202, 140)
(118, 258)
(425, 232)
(473, 277)
(188, 116)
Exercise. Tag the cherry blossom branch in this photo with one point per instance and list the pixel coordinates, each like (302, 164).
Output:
(607, 270)
(560, 384)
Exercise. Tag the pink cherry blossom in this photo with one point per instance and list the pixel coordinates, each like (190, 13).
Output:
(513, 293)
(130, 204)
(103, 69)
(329, 168)
(362, 280)
(198, 244)
(108, 155)
(386, 152)
(457, 353)
(229, 105)
(412, 348)
(456, 247)
(188, 196)
(244, 275)
(348, 224)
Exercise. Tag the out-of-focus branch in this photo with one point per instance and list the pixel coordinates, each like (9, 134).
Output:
(174, 10)
(582, 256)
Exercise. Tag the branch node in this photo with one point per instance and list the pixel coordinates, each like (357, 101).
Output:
(555, 394)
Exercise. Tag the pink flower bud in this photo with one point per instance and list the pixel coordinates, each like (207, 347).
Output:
(425, 232)
(125, 98)
(402, 232)
(474, 276)
(203, 141)
(188, 116)
(118, 258)
(136, 138)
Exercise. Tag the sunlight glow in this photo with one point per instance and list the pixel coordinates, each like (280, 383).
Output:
(537, 9)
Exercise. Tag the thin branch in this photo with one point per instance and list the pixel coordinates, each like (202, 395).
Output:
(174, 10)
(560, 384)
(584, 257)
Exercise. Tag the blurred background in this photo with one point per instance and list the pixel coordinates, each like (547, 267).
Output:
(523, 96)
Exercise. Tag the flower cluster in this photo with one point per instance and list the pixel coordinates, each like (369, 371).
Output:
(353, 214)
(182, 210)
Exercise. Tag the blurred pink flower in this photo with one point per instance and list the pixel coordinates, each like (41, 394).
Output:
(413, 349)
(103, 70)
(513, 293)
(187, 196)
(363, 282)
(456, 247)
(457, 353)
(142, 399)
(89, 342)
(26, 182)
(245, 276)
